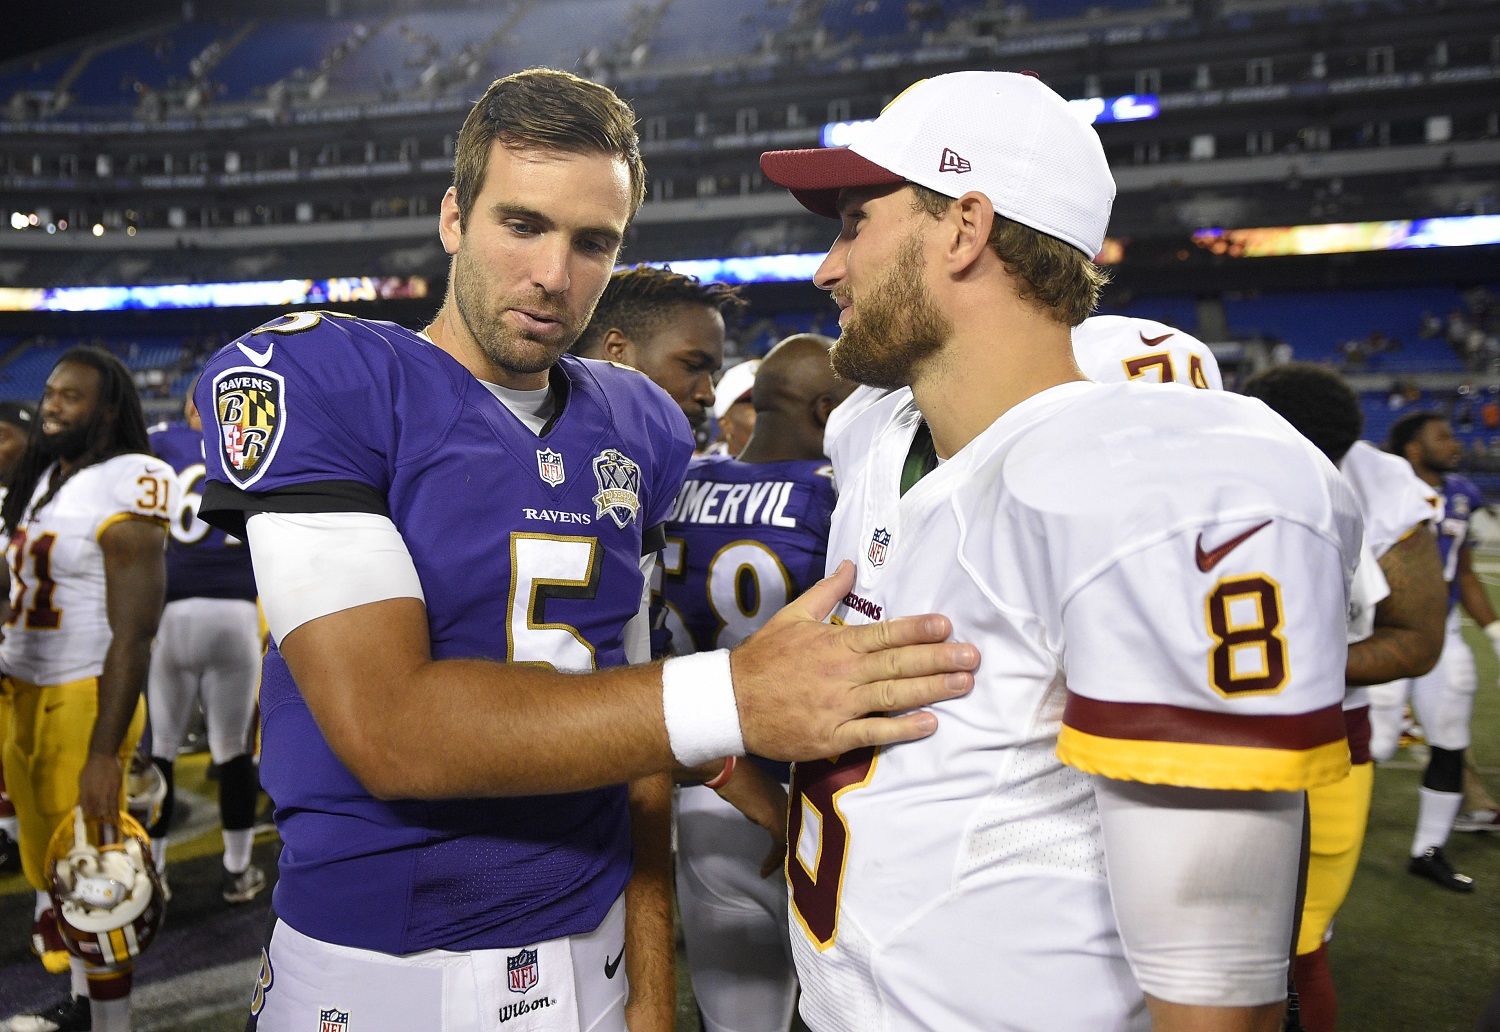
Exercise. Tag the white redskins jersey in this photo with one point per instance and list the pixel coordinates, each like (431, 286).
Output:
(59, 629)
(1393, 501)
(1113, 348)
(1156, 582)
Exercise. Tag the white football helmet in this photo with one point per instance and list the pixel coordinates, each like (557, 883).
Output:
(145, 790)
(104, 887)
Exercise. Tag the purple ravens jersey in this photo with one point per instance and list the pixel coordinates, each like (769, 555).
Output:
(202, 561)
(1460, 498)
(528, 549)
(743, 540)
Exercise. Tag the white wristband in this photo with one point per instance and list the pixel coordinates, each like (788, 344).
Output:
(1493, 630)
(697, 699)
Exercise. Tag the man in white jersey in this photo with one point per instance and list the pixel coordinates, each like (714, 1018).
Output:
(1111, 348)
(1401, 637)
(15, 428)
(86, 514)
(1159, 578)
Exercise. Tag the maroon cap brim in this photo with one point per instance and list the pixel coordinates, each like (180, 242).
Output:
(815, 176)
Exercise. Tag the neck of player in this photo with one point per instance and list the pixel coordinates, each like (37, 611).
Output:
(997, 357)
(774, 441)
(449, 332)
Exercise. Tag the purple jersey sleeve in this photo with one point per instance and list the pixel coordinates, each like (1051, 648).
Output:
(202, 561)
(1461, 499)
(311, 412)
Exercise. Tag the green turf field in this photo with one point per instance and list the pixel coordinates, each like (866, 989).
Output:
(1407, 955)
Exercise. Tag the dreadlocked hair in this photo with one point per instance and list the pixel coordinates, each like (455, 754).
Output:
(117, 427)
(637, 299)
(1315, 400)
(1405, 430)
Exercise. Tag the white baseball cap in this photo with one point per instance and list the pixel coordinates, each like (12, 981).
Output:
(1003, 134)
(734, 385)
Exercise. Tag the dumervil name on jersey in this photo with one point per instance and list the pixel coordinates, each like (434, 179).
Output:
(704, 501)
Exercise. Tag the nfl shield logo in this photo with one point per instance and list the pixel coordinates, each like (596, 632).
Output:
(549, 465)
(249, 406)
(522, 970)
(879, 543)
(333, 1020)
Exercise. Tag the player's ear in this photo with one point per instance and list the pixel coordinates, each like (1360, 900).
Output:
(450, 221)
(822, 406)
(617, 347)
(967, 224)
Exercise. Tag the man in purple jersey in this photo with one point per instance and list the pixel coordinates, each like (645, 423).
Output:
(1444, 698)
(207, 651)
(746, 536)
(450, 531)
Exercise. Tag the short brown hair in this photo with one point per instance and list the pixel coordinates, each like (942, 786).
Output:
(1053, 274)
(547, 108)
(637, 298)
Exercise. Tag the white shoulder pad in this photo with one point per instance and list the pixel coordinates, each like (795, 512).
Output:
(1116, 348)
(1392, 498)
(1169, 458)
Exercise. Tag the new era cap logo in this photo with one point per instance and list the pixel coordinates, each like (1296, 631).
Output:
(951, 162)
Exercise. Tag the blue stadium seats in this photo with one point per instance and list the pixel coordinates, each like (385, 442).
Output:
(1177, 310)
(40, 74)
(556, 35)
(274, 50)
(1317, 324)
(397, 54)
(155, 61)
(703, 30)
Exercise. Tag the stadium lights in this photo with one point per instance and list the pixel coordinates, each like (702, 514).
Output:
(1452, 231)
(18, 221)
(1346, 237)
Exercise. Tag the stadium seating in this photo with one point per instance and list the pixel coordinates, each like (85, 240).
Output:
(274, 50)
(555, 35)
(1318, 325)
(701, 31)
(114, 73)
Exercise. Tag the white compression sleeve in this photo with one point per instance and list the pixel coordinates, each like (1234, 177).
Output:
(308, 565)
(1204, 885)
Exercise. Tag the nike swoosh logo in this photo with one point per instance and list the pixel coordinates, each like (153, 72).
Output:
(261, 360)
(611, 966)
(1151, 342)
(1208, 560)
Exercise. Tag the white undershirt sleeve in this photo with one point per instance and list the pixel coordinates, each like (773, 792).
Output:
(309, 565)
(1204, 884)
(638, 630)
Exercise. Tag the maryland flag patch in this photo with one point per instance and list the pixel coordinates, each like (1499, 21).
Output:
(250, 410)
